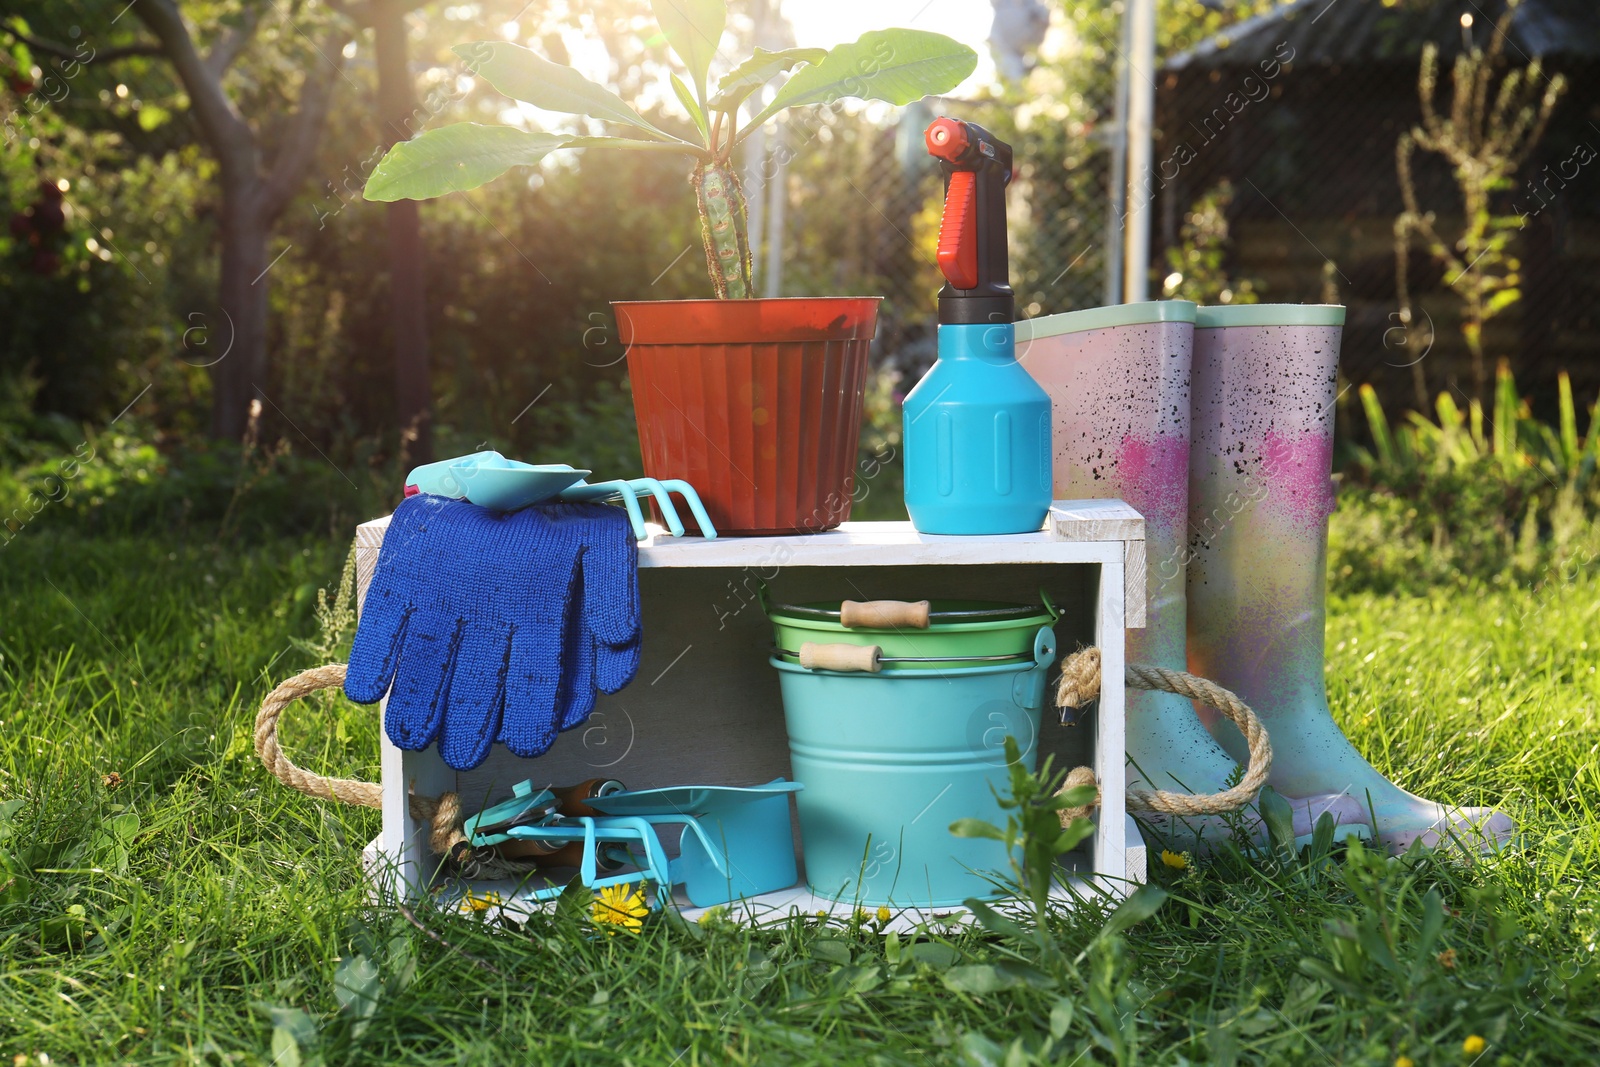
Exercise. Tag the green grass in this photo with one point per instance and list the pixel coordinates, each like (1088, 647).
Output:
(198, 911)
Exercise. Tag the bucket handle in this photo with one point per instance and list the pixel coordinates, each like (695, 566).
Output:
(815, 656)
(1049, 606)
(885, 614)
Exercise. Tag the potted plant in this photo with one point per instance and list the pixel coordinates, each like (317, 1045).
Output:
(757, 403)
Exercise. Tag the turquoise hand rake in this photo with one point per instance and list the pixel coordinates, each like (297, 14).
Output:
(737, 841)
(628, 493)
(490, 480)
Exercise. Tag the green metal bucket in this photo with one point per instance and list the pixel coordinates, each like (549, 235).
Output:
(961, 633)
(890, 759)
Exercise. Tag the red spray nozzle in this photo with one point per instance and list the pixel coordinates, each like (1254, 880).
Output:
(947, 139)
(972, 236)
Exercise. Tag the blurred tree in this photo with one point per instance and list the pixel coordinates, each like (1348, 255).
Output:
(397, 100)
(88, 286)
(1198, 272)
(259, 115)
(398, 116)
(255, 191)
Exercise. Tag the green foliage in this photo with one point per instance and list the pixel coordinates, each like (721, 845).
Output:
(694, 30)
(1198, 264)
(1362, 956)
(133, 304)
(1033, 835)
(738, 84)
(119, 483)
(897, 66)
(1458, 502)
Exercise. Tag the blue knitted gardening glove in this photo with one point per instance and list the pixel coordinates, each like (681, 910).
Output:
(603, 639)
(466, 616)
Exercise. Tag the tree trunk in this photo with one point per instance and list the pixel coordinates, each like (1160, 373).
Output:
(407, 284)
(241, 366)
(251, 200)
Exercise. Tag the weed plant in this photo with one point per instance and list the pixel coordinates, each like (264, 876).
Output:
(1469, 499)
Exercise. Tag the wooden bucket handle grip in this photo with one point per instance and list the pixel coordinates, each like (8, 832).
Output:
(884, 614)
(820, 657)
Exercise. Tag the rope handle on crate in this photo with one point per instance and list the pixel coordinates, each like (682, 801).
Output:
(442, 814)
(1080, 683)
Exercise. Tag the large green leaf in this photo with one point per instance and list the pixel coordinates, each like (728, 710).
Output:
(456, 158)
(634, 143)
(736, 85)
(525, 75)
(694, 30)
(898, 66)
(690, 105)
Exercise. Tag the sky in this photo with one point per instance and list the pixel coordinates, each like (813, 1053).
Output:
(825, 23)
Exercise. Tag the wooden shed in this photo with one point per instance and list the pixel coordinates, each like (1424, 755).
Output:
(1300, 110)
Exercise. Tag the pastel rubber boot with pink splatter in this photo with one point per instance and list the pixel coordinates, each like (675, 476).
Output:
(1118, 379)
(1260, 493)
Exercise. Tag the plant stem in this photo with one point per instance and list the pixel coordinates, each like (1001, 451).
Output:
(723, 228)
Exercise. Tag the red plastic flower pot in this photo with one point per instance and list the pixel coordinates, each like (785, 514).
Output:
(756, 403)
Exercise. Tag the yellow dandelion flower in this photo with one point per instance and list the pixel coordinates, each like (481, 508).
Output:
(1447, 959)
(619, 906)
(1473, 1045)
(1178, 861)
(474, 903)
(822, 913)
(861, 915)
(1404, 1061)
(884, 914)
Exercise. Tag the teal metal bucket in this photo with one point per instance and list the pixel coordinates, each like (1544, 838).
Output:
(889, 760)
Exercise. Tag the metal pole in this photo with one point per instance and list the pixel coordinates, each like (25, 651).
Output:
(1141, 129)
(1119, 170)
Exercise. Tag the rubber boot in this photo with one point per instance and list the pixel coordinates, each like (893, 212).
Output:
(1118, 379)
(1260, 493)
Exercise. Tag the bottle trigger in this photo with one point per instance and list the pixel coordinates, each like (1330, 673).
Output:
(958, 244)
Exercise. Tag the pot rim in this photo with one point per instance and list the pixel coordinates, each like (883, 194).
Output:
(737, 301)
(761, 320)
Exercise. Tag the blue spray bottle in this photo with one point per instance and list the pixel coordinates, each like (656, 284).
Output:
(977, 427)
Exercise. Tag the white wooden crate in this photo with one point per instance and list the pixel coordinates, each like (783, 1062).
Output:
(705, 706)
